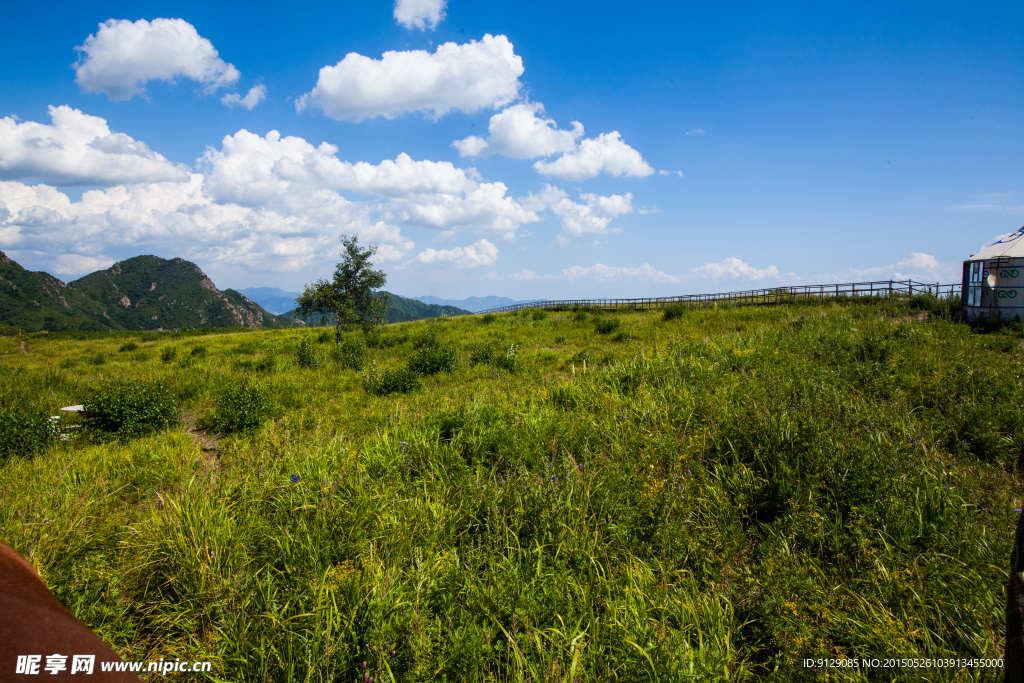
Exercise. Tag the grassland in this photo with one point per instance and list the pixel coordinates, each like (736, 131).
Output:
(718, 496)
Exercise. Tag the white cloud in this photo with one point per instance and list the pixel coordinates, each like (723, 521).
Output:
(606, 153)
(256, 94)
(530, 276)
(421, 14)
(994, 201)
(591, 217)
(734, 268)
(252, 170)
(466, 77)
(599, 271)
(123, 56)
(695, 131)
(519, 132)
(481, 253)
(78, 149)
(914, 266)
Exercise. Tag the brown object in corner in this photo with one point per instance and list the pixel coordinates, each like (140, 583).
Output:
(33, 622)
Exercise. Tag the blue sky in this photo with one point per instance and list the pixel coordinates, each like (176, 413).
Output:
(717, 147)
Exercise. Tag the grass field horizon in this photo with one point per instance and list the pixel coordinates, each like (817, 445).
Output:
(717, 493)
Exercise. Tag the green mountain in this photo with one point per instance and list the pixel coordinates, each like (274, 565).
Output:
(399, 311)
(141, 293)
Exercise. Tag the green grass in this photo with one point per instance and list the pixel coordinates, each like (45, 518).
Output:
(714, 496)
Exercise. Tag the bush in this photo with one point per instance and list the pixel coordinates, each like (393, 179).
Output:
(168, 353)
(426, 340)
(508, 362)
(306, 354)
(539, 314)
(430, 360)
(580, 316)
(325, 336)
(673, 311)
(487, 318)
(25, 432)
(98, 359)
(128, 346)
(242, 407)
(402, 380)
(125, 409)
(481, 354)
(67, 363)
(198, 351)
(606, 325)
(352, 353)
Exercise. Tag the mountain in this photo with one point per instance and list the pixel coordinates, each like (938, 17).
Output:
(273, 299)
(400, 310)
(473, 304)
(140, 293)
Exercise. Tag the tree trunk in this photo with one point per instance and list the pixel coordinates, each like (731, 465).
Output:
(337, 330)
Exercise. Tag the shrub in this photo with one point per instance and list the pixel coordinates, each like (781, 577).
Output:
(242, 407)
(149, 336)
(128, 346)
(98, 359)
(168, 353)
(481, 354)
(539, 314)
(427, 339)
(198, 351)
(67, 363)
(673, 311)
(124, 409)
(430, 360)
(25, 432)
(508, 362)
(325, 336)
(402, 380)
(580, 316)
(487, 318)
(306, 354)
(352, 353)
(606, 325)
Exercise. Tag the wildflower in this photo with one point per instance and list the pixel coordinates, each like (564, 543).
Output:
(403, 443)
(1018, 510)
(945, 488)
(689, 472)
(295, 478)
(913, 441)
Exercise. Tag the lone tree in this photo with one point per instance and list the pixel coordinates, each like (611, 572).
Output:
(350, 295)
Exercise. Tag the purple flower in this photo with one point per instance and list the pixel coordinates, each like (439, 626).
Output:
(1018, 510)
(689, 472)
(403, 443)
(945, 488)
(913, 441)
(295, 478)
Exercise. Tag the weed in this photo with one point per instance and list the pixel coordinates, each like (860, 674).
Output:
(127, 346)
(352, 353)
(306, 353)
(168, 353)
(67, 363)
(509, 361)
(98, 358)
(673, 311)
(401, 380)
(606, 325)
(430, 360)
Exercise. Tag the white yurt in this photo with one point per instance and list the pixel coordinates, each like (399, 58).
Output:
(993, 284)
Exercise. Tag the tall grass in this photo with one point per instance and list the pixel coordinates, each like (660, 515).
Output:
(719, 497)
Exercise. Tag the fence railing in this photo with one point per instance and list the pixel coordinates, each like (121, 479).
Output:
(750, 297)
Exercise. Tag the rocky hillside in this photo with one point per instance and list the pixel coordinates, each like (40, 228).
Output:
(140, 293)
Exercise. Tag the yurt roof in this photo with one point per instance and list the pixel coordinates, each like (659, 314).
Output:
(1010, 246)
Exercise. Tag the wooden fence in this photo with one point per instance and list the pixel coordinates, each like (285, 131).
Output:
(750, 297)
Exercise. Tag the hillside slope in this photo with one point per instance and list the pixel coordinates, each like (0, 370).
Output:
(140, 293)
(400, 310)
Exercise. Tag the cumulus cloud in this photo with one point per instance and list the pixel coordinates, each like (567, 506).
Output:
(421, 14)
(591, 216)
(122, 56)
(466, 77)
(599, 271)
(606, 153)
(252, 170)
(734, 268)
(256, 94)
(261, 202)
(78, 149)
(481, 253)
(522, 132)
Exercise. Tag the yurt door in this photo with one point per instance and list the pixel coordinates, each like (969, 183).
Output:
(974, 283)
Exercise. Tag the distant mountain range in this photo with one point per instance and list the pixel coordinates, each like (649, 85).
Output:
(400, 310)
(140, 293)
(473, 303)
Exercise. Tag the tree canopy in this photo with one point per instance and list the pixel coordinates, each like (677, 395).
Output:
(350, 295)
